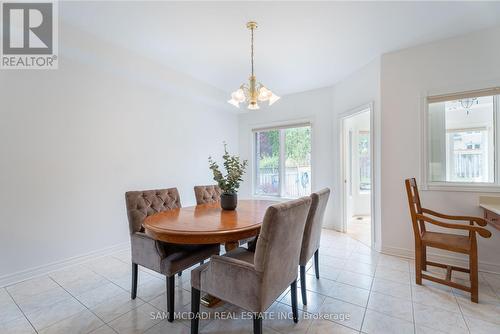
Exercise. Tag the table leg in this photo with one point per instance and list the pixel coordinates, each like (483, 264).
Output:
(209, 301)
(230, 245)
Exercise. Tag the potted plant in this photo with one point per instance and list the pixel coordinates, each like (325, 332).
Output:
(230, 182)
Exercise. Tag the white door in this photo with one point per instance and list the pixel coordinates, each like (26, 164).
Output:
(356, 174)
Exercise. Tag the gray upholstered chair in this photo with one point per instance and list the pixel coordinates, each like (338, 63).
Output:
(207, 194)
(312, 236)
(164, 258)
(253, 281)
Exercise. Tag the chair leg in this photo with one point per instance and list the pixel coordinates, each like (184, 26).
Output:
(257, 324)
(195, 310)
(170, 297)
(135, 270)
(473, 278)
(316, 263)
(179, 273)
(424, 258)
(293, 294)
(303, 284)
(418, 264)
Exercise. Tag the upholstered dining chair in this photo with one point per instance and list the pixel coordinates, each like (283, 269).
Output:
(251, 280)
(164, 258)
(465, 244)
(207, 194)
(312, 236)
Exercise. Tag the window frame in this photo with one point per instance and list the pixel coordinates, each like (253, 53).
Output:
(282, 152)
(426, 99)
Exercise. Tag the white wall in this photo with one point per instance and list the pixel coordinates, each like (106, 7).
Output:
(73, 140)
(322, 108)
(467, 62)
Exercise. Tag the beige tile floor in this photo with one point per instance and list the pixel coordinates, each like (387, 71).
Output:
(359, 228)
(359, 291)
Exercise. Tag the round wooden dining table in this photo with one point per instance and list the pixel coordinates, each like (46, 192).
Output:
(208, 223)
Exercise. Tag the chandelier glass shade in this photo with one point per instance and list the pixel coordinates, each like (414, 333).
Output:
(252, 92)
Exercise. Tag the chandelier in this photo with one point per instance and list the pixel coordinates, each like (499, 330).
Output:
(254, 91)
(467, 103)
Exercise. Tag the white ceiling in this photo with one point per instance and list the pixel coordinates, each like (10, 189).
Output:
(298, 46)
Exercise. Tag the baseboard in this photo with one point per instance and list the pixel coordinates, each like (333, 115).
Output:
(452, 260)
(23, 275)
(332, 227)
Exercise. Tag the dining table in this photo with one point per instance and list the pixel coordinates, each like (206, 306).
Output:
(208, 224)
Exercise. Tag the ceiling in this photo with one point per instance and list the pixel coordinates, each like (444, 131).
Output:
(299, 46)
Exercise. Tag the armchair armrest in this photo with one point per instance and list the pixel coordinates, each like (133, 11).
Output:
(477, 220)
(481, 231)
(146, 252)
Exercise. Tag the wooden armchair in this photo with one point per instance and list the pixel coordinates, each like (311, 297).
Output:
(451, 242)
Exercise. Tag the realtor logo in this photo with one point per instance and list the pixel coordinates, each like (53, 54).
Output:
(29, 35)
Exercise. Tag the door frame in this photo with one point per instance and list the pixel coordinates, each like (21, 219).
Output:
(368, 107)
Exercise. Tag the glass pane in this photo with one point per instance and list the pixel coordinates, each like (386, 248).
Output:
(298, 162)
(364, 161)
(461, 140)
(437, 142)
(267, 157)
(467, 158)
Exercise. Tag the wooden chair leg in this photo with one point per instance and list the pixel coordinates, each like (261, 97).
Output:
(303, 284)
(293, 294)
(195, 310)
(474, 284)
(257, 324)
(316, 263)
(424, 258)
(418, 264)
(135, 272)
(170, 297)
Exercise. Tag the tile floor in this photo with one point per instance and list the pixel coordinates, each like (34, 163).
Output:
(359, 291)
(359, 228)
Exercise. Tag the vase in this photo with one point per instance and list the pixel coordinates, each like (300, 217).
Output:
(228, 201)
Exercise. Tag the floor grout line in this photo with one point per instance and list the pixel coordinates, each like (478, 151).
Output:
(78, 300)
(412, 306)
(367, 302)
(24, 315)
(460, 308)
(110, 281)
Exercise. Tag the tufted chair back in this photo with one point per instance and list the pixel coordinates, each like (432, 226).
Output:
(207, 194)
(141, 204)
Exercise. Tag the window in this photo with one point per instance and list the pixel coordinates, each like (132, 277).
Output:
(364, 161)
(461, 138)
(283, 161)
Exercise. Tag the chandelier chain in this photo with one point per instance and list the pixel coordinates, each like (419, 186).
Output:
(252, 49)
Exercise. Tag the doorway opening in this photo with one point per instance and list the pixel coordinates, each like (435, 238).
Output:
(357, 174)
